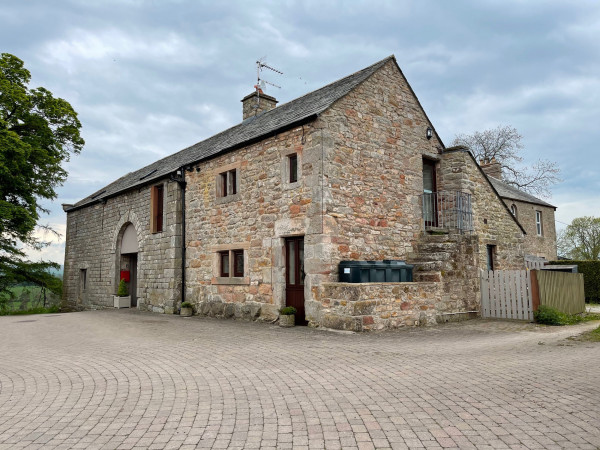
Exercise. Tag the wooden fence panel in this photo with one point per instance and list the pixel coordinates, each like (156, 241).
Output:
(563, 291)
(485, 295)
(506, 294)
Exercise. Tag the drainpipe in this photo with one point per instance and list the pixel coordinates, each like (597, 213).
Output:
(179, 177)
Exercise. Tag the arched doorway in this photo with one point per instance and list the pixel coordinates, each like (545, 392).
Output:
(127, 261)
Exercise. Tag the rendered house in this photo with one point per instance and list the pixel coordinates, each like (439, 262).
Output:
(260, 216)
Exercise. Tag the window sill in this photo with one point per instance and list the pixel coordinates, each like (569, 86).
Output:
(228, 199)
(231, 281)
(289, 186)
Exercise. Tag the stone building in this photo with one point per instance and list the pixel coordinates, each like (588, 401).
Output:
(535, 215)
(260, 216)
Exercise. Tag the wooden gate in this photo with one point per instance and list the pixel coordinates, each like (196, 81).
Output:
(506, 294)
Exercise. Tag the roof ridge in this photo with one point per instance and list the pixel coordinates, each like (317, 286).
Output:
(538, 200)
(337, 81)
(264, 113)
(300, 109)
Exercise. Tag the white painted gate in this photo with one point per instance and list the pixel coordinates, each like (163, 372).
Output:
(506, 294)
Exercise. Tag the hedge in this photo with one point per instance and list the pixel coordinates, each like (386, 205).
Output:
(591, 277)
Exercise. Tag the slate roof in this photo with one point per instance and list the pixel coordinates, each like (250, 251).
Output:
(252, 129)
(508, 191)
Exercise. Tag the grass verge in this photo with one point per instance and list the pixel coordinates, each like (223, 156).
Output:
(38, 310)
(588, 336)
(547, 315)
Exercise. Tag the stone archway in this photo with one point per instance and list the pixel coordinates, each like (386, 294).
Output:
(126, 252)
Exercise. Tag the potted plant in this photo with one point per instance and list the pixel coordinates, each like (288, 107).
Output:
(122, 299)
(186, 309)
(287, 316)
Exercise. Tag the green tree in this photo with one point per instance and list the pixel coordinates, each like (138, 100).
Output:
(38, 132)
(581, 239)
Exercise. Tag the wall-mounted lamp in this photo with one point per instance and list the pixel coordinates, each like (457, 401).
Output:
(429, 133)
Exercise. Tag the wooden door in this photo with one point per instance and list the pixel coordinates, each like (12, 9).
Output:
(294, 276)
(133, 279)
(429, 193)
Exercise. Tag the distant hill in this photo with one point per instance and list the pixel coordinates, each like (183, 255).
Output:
(58, 272)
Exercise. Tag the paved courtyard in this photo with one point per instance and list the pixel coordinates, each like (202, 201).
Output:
(123, 379)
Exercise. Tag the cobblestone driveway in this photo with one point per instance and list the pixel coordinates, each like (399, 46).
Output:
(121, 379)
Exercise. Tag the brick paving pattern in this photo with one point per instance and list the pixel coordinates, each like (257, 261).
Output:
(126, 380)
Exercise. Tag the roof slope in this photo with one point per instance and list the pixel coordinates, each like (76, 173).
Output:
(251, 129)
(508, 191)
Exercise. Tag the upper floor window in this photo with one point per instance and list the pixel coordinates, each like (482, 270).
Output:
(538, 223)
(156, 208)
(227, 183)
(293, 167)
(513, 210)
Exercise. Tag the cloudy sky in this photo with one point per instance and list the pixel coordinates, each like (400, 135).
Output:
(149, 78)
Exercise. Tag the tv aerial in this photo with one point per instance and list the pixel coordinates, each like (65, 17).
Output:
(261, 84)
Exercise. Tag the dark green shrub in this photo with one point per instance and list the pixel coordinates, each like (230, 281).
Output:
(547, 315)
(591, 278)
(186, 305)
(122, 290)
(287, 311)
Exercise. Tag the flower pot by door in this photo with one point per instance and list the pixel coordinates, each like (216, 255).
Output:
(185, 312)
(122, 302)
(287, 320)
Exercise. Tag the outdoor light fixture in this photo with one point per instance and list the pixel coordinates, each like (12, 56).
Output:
(429, 133)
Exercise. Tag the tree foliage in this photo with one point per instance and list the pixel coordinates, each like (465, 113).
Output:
(504, 145)
(581, 239)
(38, 132)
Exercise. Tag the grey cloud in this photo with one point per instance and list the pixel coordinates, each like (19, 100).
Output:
(149, 78)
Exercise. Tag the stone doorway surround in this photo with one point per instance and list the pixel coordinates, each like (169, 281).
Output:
(127, 241)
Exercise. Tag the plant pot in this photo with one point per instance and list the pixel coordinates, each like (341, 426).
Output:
(186, 312)
(122, 302)
(287, 321)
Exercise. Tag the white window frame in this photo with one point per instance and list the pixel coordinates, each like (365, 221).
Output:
(538, 223)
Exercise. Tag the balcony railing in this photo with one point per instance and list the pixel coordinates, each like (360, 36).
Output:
(449, 210)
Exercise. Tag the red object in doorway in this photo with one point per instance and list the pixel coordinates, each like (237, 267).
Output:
(125, 275)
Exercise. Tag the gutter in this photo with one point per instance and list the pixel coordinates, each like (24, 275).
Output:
(179, 177)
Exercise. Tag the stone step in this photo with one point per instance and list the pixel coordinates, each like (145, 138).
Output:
(435, 247)
(429, 256)
(428, 266)
(431, 276)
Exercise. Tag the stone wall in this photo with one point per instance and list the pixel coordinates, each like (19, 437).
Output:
(545, 245)
(93, 243)
(375, 306)
(266, 209)
(493, 222)
(453, 260)
(374, 170)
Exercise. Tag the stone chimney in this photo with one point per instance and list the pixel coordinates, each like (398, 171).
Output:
(256, 103)
(491, 168)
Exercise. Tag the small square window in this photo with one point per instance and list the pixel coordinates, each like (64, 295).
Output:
(227, 183)
(238, 263)
(224, 263)
(233, 182)
(293, 167)
(231, 263)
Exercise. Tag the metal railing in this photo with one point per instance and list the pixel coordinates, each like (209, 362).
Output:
(449, 210)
